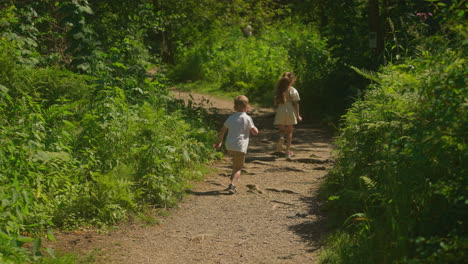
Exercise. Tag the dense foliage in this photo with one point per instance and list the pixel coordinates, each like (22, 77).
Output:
(251, 65)
(86, 137)
(244, 46)
(399, 187)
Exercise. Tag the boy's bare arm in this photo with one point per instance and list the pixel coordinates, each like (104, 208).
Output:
(254, 131)
(222, 132)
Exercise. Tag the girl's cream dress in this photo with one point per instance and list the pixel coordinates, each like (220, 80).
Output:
(285, 114)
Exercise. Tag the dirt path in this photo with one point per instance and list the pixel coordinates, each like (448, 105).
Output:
(274, 218)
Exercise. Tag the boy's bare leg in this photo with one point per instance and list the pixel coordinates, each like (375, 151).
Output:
(238, 163)
(235, 176)
(238, 159)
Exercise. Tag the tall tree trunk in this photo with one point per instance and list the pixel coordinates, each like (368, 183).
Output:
(165, 49)
(376, 42)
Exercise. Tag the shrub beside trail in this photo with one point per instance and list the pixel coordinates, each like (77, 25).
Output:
(79, 149)
(399, 185)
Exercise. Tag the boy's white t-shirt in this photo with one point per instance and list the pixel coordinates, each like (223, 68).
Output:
(238, 125)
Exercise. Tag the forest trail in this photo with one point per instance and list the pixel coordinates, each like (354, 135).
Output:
(274, 218)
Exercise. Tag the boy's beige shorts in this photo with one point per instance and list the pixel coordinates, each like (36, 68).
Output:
(238, 159)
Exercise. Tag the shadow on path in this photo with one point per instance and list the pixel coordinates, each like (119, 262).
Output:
(208, 193)
(313, 230)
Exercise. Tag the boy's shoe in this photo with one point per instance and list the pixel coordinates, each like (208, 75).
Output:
(279, 147)
(232, 189)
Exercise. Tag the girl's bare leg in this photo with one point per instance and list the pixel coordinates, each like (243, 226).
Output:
(289, 134)
(282, 132)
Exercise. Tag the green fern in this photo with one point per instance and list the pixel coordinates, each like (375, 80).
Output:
(368, 182)
(371, 75)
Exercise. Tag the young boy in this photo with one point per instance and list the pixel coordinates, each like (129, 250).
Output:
(239, 126)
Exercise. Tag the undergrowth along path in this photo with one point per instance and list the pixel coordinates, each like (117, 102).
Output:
(274, 218)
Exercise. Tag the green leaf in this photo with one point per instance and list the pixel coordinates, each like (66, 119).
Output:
(24, 239)
(37, 247)
(86, 9)
(50, 235)
(79, 35)
(3, 89)
(367, 74)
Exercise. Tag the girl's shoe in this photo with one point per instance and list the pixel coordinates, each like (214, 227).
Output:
(279, 147)
(289, 154)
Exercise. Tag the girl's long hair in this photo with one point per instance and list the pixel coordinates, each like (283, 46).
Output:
(283, 85)
(281, 88)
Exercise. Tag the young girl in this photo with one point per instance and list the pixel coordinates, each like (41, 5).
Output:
(287, 112)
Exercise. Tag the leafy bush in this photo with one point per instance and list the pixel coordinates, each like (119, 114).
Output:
(69, 168)
(237, 64)
(402, 164)
(311, 61)
(11, 251)
(252, 65)
(80, 149)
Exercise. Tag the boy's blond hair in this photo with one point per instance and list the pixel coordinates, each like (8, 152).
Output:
(240, 103)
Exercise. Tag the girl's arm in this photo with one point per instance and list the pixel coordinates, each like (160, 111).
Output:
(296, 109)
(220, 137)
